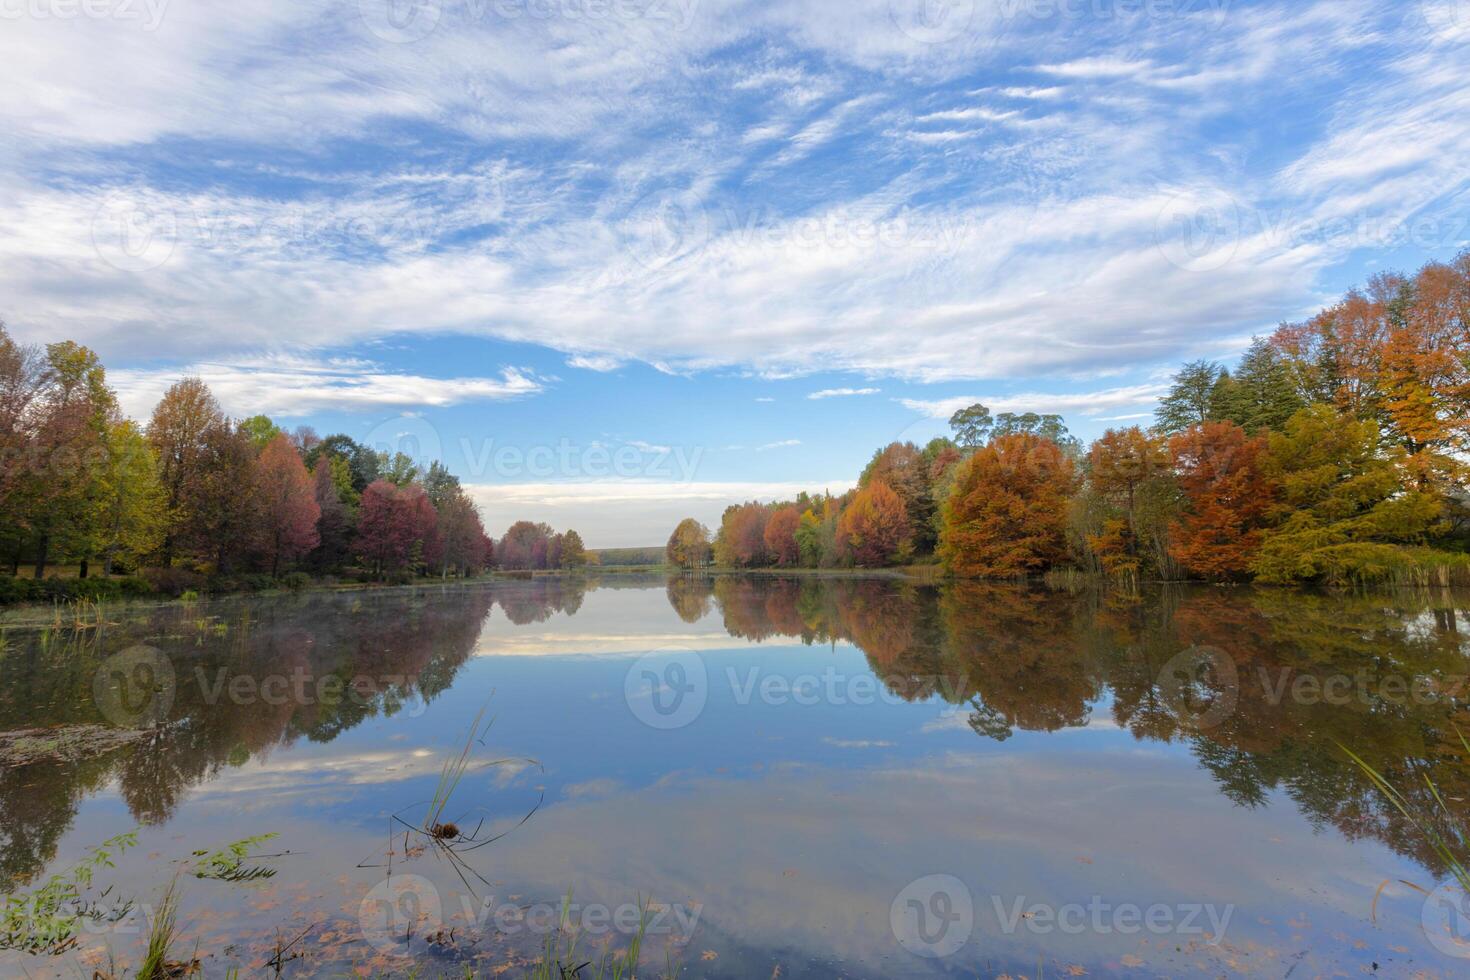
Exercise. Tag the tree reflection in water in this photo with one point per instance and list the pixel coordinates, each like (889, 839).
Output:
(1018, 658)
(1027, 658)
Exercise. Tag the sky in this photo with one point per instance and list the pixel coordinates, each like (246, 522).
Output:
(617, 262)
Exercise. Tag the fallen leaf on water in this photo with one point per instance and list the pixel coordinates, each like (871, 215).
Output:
(708, 955)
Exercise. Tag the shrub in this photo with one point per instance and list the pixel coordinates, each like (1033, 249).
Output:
(174, 581)
(296, 581)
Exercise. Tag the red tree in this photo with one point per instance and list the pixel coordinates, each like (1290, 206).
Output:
(1227, 496)
(397, 527)
(780, 536)
(287, 504)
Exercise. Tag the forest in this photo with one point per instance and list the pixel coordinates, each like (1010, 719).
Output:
(1334, 451)
(196, 500)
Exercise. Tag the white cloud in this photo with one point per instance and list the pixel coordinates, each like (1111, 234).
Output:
(841, 393)
(595, 362)
(783, 444)
(1087, 403)
(293, 385)
(1054, 263)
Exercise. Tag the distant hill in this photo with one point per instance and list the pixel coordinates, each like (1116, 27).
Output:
(628, 556)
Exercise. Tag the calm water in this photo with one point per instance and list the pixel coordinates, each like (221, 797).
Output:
(811, 777)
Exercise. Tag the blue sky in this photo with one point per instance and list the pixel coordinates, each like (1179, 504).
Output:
(608, 229)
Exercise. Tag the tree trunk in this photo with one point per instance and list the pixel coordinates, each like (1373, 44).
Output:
(42, 546)
(82, 571)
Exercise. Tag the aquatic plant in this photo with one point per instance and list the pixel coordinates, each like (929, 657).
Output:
(163, 933)
(46, 920)
(1439, 827)
(559, 960)
(228, 863)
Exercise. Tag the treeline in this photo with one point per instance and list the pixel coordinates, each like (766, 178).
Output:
(1335, 450)
(197, 498)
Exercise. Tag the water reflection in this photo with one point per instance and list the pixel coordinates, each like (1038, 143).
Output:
(1384, 674)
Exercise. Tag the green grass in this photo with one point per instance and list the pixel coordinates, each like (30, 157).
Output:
(560, 959)
(1450, 849)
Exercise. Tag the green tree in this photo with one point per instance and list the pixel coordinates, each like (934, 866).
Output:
(1191, 397)
(133, 504)
(573, 551)
(971, 426)
(260, 430)
(1343, 505)
(1262, 393)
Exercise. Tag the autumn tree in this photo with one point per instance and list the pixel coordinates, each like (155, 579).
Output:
(219, 508)
(132, 505)
(524, 545)
(1005, 515)
(397, 528)
(874, 527)
(1226, 497)
(741, 541)
(333, 500)
(689, 545)
(573, 551)
(780, 536)
(177, 431)
(73, 412)
(1130, 470)
(288, 509)
(907, 472)
(465, 546)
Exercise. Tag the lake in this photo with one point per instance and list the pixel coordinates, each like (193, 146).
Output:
(814, 776)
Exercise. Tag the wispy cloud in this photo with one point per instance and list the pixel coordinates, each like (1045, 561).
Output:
(294, 385)
(842, 393)
(1087, 403)
(783, 444)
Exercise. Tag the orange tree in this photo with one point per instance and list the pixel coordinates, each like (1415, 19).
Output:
(1227, 495)
(1005, 514)
(874, 528)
